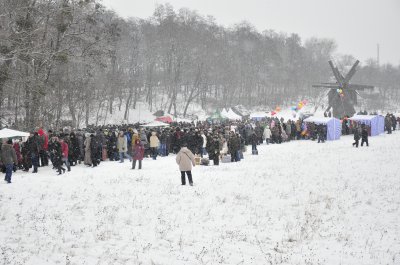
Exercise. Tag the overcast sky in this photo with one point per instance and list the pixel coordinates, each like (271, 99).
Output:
(356, 25)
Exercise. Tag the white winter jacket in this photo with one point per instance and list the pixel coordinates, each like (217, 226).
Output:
(267, 133)
(185, 159)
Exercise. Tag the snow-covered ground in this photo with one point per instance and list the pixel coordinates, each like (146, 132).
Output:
(295, 203)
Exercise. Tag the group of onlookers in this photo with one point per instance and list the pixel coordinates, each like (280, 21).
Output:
(218, 141)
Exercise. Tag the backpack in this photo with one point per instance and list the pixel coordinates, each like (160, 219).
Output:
(205, 162)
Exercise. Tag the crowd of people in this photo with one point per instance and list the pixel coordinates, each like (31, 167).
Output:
(215, 141)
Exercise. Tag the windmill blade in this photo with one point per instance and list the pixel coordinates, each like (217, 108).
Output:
(336, 86)
(340, 75)
(359, 87)
(335, 73)
(327, 94)
(328, 108)
(351, 72)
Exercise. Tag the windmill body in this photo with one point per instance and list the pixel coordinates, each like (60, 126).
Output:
(342, 96)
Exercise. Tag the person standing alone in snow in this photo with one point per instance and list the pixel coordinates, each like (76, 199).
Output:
(138, 153)
(185, 160)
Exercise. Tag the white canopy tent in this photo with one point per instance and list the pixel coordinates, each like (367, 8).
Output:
(230, 115)
(182, 120)
(9, 133)
(155, 124)
(333, 126)
(258, 115)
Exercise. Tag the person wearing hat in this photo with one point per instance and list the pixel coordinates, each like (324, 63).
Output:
(8, 158)
(154, 144)
(185, 160)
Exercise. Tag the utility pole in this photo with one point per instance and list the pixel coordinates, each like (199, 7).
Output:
(377, 54)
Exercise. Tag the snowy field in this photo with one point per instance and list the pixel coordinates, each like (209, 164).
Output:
(295, 203)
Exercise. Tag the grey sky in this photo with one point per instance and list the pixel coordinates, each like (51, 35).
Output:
(356, 25)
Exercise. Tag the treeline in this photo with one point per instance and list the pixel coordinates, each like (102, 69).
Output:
(74, 59)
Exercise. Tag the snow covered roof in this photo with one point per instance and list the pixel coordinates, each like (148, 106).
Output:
(322, 120)
(183, 120)
(9, 133)
(155, 124)
(362, 117)
(241, 110)
(258, 115)
(230, 114)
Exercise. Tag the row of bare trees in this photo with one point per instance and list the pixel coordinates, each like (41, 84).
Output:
(75, 60)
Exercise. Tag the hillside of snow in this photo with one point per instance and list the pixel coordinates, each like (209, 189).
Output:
(295, 203)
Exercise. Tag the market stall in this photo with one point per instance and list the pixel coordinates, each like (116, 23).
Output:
(333, 126)
(375, 123)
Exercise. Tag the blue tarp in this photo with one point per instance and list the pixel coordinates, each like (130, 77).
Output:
(375, 122)
(333, 126)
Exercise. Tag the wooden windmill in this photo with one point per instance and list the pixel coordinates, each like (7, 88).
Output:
(343, 95)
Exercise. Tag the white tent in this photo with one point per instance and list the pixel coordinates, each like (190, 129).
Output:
(230, 115)
(333, 126)
(258, 115)
(182, 120)
(155, 124)
(8, 133)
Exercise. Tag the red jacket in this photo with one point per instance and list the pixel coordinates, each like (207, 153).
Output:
(46, 139)
(64, 147)
(18, 152)
(138, 152)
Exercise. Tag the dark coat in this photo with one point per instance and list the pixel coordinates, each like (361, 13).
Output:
(356, 134)
(212, 147)
(198, 140)
(74, 150)
(34, 145)
(364, 134)
(26, 156)
(56, 149)
(8, 155)
(94, 148)
(254, 139)
(234, 143)
(163, 138)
